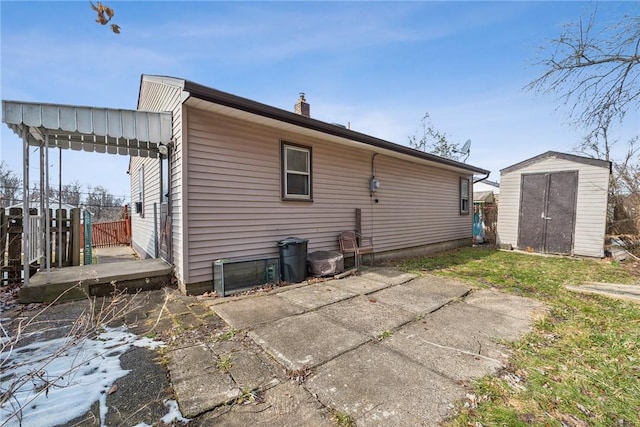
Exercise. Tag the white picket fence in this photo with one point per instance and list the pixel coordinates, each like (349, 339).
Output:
(36, 244)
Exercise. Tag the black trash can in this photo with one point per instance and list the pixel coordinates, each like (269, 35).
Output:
(293, 259)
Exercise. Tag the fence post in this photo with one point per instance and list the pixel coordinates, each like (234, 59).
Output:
(88, 256)
(75, 236)
(127, 218)
(358, 229)
(14, 261)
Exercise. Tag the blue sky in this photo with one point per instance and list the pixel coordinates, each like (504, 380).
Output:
(376, 65)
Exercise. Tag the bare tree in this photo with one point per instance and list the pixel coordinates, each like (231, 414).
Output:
(71, 193)
(104, 205)
(594, 69)
(427, 138)
(10, 186)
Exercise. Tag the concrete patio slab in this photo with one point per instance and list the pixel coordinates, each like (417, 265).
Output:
(390, 276)
(253, 370)
(198, 383)
(359, 285)
(419, 298)
(286, 405)
(250, 312)
(367, 315)
(306, 340)
(440, 286)
(442, 357)
(611, 290)
(501, 302)
(381, 387)
(468, 328)
(317, 295)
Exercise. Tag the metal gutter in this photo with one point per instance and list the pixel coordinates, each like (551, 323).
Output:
(233, 101)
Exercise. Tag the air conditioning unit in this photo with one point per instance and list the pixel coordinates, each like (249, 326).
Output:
(241, 274)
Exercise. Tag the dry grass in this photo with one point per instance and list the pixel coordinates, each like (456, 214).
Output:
(580, 366)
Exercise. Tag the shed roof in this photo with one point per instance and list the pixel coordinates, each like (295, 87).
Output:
(224, 99)
(558, 155)
(104, 130)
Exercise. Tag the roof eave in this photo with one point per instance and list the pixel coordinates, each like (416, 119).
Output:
(233, 101)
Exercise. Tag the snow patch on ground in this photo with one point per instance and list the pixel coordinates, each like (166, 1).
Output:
(65, 387)
(174, 413)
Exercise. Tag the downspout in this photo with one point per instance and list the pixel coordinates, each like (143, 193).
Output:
(482, 179)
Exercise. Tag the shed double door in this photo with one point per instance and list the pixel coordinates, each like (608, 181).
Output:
(548, 211)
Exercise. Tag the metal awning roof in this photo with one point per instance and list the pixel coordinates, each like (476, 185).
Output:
(103, 130)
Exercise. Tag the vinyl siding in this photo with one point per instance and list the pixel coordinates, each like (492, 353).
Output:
(159, 95)
(235, 207)
(591, 204)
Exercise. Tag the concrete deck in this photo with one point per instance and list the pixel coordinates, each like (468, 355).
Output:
(69, 283)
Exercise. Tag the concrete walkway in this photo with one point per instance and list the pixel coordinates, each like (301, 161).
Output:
(384, 347)
(111, 254)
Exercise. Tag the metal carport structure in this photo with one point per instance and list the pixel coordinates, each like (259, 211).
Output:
(91, 129)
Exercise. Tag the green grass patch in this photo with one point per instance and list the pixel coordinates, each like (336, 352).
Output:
(581, 363)
(342, 419)
(228, 335)
(225, 363)
(384, 335)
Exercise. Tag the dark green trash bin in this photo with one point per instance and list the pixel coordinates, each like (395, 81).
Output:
(293, 259)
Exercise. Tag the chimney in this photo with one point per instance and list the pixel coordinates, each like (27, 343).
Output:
(302, 107)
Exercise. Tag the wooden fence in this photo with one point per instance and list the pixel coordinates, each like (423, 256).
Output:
(65, 235)
(112, 233)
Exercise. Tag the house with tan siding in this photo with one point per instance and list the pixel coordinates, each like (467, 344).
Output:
(239, 176)
(555, 203)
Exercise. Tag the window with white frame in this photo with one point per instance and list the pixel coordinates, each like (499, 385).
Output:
(464, 196)
(296, 172)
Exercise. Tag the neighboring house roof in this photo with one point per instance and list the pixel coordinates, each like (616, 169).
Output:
(235, 102)
(489, 183)
(483, 197)
(558, 155)
(486, 185)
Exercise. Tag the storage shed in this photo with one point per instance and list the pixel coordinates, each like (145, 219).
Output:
(555, 203)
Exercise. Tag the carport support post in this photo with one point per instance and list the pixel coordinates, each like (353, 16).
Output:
(25, 206)
(47, 212)
(155, 230)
